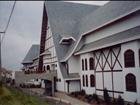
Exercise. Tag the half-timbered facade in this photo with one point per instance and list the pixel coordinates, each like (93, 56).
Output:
(94, 48)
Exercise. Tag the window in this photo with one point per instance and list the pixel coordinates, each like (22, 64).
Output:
(82, 64)
(129, 59)
(86, 80)
(48, 67)
(130, 81)
(83, 78)
(85, 64)
(91, 63)
(92, 81)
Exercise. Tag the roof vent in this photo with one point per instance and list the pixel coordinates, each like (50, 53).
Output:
(66, 40)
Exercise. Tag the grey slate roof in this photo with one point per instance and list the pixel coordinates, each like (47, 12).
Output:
(64, 18)
(106, 13)
(67, 18)
(122, 37)
(101, 16)
(32, 53)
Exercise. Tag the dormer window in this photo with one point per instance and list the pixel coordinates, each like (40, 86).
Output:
(66, 40)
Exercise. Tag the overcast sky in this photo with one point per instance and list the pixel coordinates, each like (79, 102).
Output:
(24, 29)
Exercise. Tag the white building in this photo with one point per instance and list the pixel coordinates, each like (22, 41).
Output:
(93, 47)
(30, 62)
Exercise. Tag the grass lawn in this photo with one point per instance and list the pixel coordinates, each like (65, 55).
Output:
(15, 97)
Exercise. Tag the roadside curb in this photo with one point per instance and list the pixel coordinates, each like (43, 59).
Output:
(58, 99)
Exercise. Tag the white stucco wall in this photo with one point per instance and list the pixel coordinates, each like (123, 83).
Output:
(88, 89)
(60, 85)
(132, 96)
(74, 64)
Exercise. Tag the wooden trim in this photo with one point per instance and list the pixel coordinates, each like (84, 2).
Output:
(109, 71)
(98, 59)
(106, 58)
(49, 47)
(102, 69)
(95, 71)
(112, 73)
(50, 62)
(116, 58)
(50, 57)
(48, 38)
(43, 37)
(111, 91)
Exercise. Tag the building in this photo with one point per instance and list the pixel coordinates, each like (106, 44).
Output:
(93, 47)
(31, 71)
(30, 62)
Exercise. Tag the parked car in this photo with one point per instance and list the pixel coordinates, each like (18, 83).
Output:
(33, 83)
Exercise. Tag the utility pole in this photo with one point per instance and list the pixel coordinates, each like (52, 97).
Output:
(0, 56)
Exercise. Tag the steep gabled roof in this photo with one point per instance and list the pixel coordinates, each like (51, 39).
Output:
(109, 12)
(63, 19)
(32, 53)
(103, 16)
(118, 38)
(77, 20)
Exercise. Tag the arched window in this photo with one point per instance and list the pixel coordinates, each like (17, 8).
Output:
(91, 63)
(87, 80)
(48, 67)
(82, 64)
(130, 81)
(92, 81)
(85, 64)
(129, 58)
(83, 79)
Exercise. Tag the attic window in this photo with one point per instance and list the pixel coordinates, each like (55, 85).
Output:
(66, 40)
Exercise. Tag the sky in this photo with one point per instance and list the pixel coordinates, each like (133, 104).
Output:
(24, 29)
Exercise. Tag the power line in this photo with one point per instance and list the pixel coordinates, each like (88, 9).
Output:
(8, 22)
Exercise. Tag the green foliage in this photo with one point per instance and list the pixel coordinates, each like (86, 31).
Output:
(76, 93)
(16, 97)
(95, 96)
(82, 92)
(1, 84)
(1, 91)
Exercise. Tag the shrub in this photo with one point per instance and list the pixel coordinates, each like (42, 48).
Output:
(95, 96)
(128, 104)
(7, 98)
(89, 98)
(1, 91)
(120, 101)
(0, 83)
(106, 96)
(82, 92)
